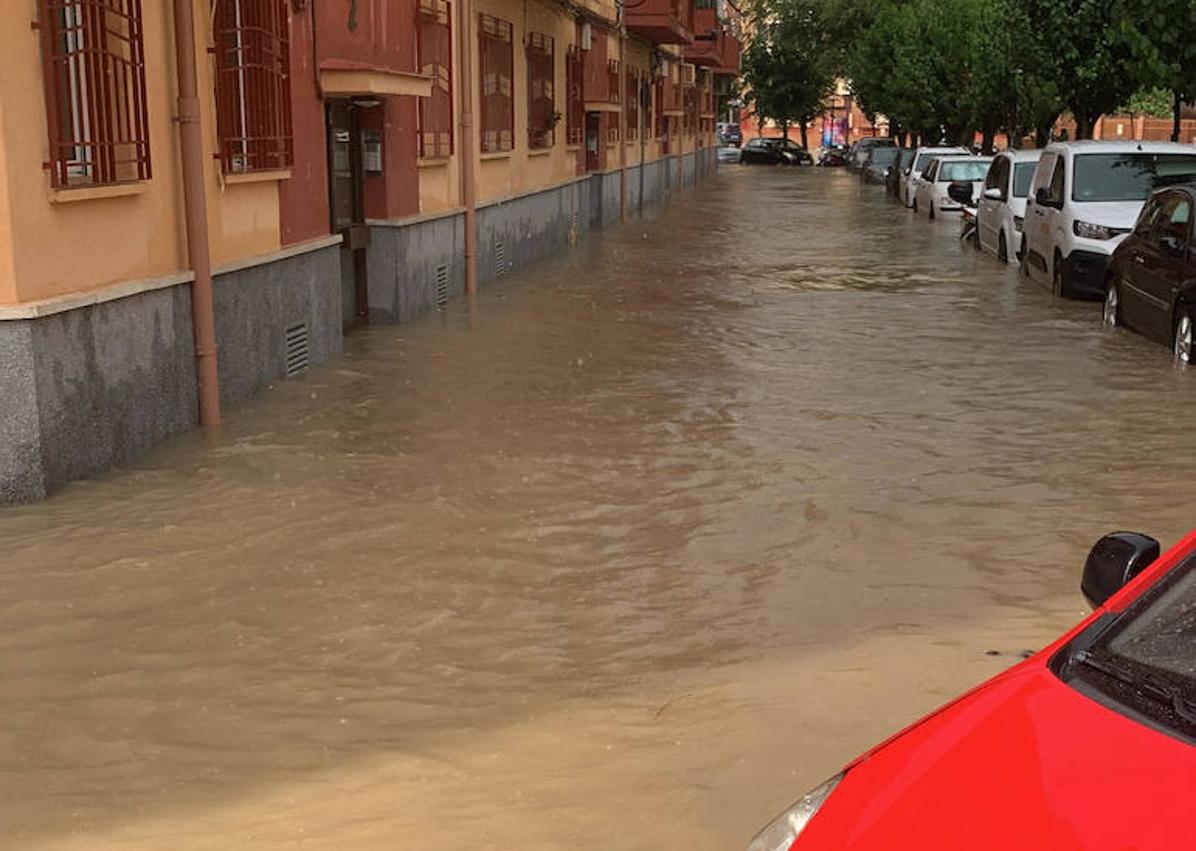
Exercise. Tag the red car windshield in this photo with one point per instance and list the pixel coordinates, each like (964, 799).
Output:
(1162, 637)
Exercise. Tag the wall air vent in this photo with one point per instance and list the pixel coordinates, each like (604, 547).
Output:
(442, 287)
(500, 260)
(298, 356)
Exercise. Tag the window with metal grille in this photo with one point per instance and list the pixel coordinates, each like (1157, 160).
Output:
(541, 91)
(658, 89)
(612, 80)
(94, 66)
(497, 72)
(632, 101)
(253, 85)
(435, 113)
(575, 110)
(689, 104)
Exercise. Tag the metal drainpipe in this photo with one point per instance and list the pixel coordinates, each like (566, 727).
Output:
(465, 143)
(195, 210)
(622, 117)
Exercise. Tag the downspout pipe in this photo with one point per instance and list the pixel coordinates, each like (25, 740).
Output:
(195, 210)
(466, 140)
(623, 116)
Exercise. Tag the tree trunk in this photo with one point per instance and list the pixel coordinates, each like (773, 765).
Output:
(1084, 126)
(804, 144)
(986, 144)
(1177, 103)
(785, 129)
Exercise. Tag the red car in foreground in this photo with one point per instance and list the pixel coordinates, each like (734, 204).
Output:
(1088, 744)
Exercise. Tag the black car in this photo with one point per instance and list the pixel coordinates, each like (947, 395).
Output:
(905, 157)
(833, 156)
(878, 163)
(761, 151)
(1151, 285)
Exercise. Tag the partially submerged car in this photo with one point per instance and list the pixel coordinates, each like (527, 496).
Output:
(1089, 744)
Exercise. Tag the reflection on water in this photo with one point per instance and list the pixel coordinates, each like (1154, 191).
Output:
(622, 556)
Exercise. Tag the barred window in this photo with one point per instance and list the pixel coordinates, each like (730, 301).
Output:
(434, 40)
(575, 110)
(612, 80)
(541, 91)
(690, 103)
(632, 101)
(253, 85)
(661, 124)
(94, 68)
(497, 72)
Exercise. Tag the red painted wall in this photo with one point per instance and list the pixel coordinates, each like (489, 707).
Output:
(384, 38)
(303, 200)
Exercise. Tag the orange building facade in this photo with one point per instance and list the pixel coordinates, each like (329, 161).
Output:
(359, 162)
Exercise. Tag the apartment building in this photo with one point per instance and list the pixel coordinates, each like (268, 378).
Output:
(199, 197)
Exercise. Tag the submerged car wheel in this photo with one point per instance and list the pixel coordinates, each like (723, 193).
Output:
(1181, 349)
(932, 211)
(1111, 314)
(1058, 287)
(915, 203)
(1002, 249)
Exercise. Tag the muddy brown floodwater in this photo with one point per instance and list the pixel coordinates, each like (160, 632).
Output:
(628, 556)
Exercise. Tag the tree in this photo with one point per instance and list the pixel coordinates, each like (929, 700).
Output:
(789, 65)
(1158, 35)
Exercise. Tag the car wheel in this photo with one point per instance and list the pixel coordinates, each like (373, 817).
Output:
(1181, 348)
(1111, 314)
(931, 214)
(1002, 249)
(915, 203)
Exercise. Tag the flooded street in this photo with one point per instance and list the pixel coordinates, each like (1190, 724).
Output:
(627, 555)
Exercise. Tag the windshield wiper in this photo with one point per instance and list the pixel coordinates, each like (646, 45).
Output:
(1156, 688)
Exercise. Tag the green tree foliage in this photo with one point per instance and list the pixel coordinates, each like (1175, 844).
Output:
(790, 64)
(1158, 34)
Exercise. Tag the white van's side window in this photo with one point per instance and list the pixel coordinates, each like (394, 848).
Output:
(1057, 181)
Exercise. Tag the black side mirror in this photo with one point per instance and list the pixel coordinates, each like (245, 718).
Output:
(1043, 197)
(961, 193)
(1113, 562)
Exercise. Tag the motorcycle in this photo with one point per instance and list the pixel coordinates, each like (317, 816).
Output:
(969, 228)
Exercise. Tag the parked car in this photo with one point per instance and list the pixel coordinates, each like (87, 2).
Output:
(933, 193)
(1084, 201)
(833, 156)
(1088, 744)
(729, 134)
(1001, 213)
(859, 151)
(729, 154)
(905, 157)
(880, 160)
(1151, 285)
(762, 151)
(913, 172)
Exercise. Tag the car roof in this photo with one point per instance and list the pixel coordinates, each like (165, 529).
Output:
(1028, 155)
(1092, 146)
(965, 158)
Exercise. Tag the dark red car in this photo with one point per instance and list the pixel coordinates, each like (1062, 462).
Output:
(1151, 286)
(1088, 744)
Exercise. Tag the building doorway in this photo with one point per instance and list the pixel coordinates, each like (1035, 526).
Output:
(593, 141)
(346, 202)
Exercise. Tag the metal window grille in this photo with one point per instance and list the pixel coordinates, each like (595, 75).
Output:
(575, 110)
(690, 105)
(632, 101)
(612, 132)
(94, 65)
(497, 72)
(612, 80)
(253, 85)
(435, 113)
(541, 91)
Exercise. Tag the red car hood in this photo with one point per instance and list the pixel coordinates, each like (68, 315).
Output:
(1021, 764)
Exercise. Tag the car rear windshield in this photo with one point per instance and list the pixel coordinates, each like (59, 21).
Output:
(965, 171)
(1129, 176)
(1023, 176)
(883, 156)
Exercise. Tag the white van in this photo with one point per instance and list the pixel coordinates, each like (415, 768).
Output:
(1084, 199)
(1001, 213)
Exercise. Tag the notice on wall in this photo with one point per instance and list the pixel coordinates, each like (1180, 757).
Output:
(371, 151)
